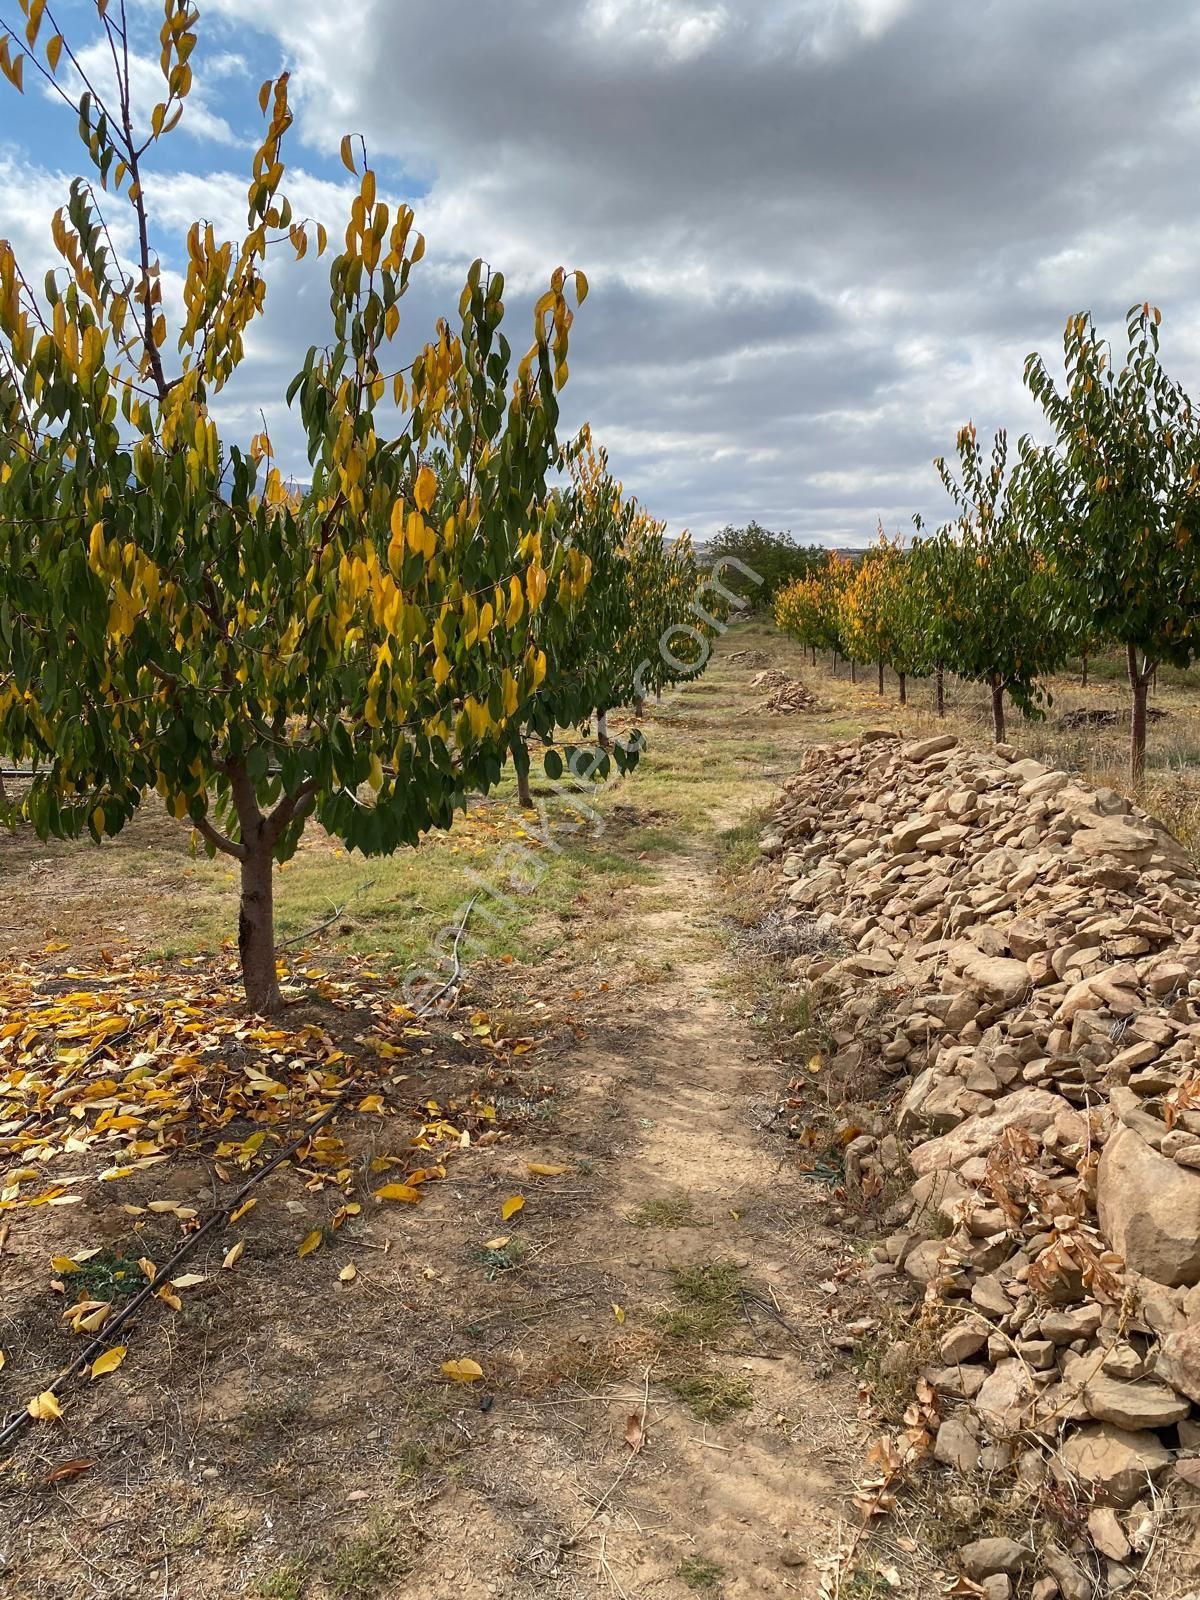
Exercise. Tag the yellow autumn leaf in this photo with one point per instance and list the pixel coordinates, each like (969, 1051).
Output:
(618, 1312)
(246, 1205)
(189, 1280)
(542, 1169)
(512, 1205)
(398, 1191)
(148, 1268)
(1, 1358)
(348, 1273)
(311, 1241)
(94, 1321)
(498, 1243)
(44, 1407)
(109, 1361)
(169, 1297)
(63, 1265)
(425, 489)
(464, 1371)
(234, 1254)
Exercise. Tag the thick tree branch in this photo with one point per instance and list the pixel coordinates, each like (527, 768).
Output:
(218, 840)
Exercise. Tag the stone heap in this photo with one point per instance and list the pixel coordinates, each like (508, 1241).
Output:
(1011, 962)
(786, 694)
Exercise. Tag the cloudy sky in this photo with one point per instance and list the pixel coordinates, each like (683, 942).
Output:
(820, 234)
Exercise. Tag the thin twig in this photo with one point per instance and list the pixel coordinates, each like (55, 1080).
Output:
(299, 938)
(457, 973)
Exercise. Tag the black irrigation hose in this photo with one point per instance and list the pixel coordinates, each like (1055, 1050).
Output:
(21, 1419)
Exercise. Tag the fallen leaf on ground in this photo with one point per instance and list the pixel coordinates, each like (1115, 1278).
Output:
(542, 1169)
(498, 1242)
(109, 1361)
(234, 1254)
(310, 1242)
(44, 1407)
(399, 1191)
(464, 1371)
(635, 1436)
(189, 1280)
(348, 1273)
(618, 1312)
(69, 1470)
(246, 1205)
(511, 1206)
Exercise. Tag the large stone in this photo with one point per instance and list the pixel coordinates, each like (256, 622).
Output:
(986, 1556)
(1032, 1109)
(1133, 1406)
(1004, 1400)
(1149, 1209)
(924, 748)
(904, 835)
(1115, 836)
(1107, 1534)
(997, 977)
(1115, 1466)
(956, 1446)
(1179, 1361)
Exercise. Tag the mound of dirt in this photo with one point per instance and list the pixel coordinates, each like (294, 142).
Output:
(749, 658)
(1024, 967)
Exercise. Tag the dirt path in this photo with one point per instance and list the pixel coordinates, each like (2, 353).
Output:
(696, 1202)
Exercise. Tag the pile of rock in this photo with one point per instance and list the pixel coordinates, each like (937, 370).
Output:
(1014, 965)
(749, 658)
(787, 694)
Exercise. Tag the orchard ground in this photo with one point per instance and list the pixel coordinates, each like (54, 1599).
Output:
(674, 1349)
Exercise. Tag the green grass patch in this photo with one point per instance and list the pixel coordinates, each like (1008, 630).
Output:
(701, 1574)
(672, 1212)
(708, 1302)
(712, 1396)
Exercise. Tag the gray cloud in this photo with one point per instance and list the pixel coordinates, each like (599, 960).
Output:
(820, 233)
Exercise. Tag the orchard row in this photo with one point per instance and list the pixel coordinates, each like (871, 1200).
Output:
(1084, 542)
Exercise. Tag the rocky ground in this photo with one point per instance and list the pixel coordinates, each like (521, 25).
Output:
(1007, 969)
(786, 695)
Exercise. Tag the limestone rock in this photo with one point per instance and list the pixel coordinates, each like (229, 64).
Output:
(986, 1556)
(956, 1446)
(1179, 1361)
(1033, 1109)
(1149, 1210)
(1116, 1466)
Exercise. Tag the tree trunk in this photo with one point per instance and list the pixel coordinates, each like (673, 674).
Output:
(1083, 674)
(602, 738)
(814, 655)
(940, 679)
(997, 712)
(639, 706)
(256, 927)
(658, 697)
(524, 792)
(853, 670)
(903, 677)
(1139, 685)
(881, 674)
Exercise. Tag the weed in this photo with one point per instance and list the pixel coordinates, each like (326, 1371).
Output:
(676, 1212)
(107, 1276)
(699, 1573)
(708, 1302)
(498, 1259)
(228, 1534)
(712, 1396)
(361, 1565)
(412, 1462)
(287, 1582)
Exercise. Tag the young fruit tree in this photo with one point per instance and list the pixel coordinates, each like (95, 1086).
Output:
(1000, 611)
(174, 616)
(1116, 503)
(810, 608)
(874, 618)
